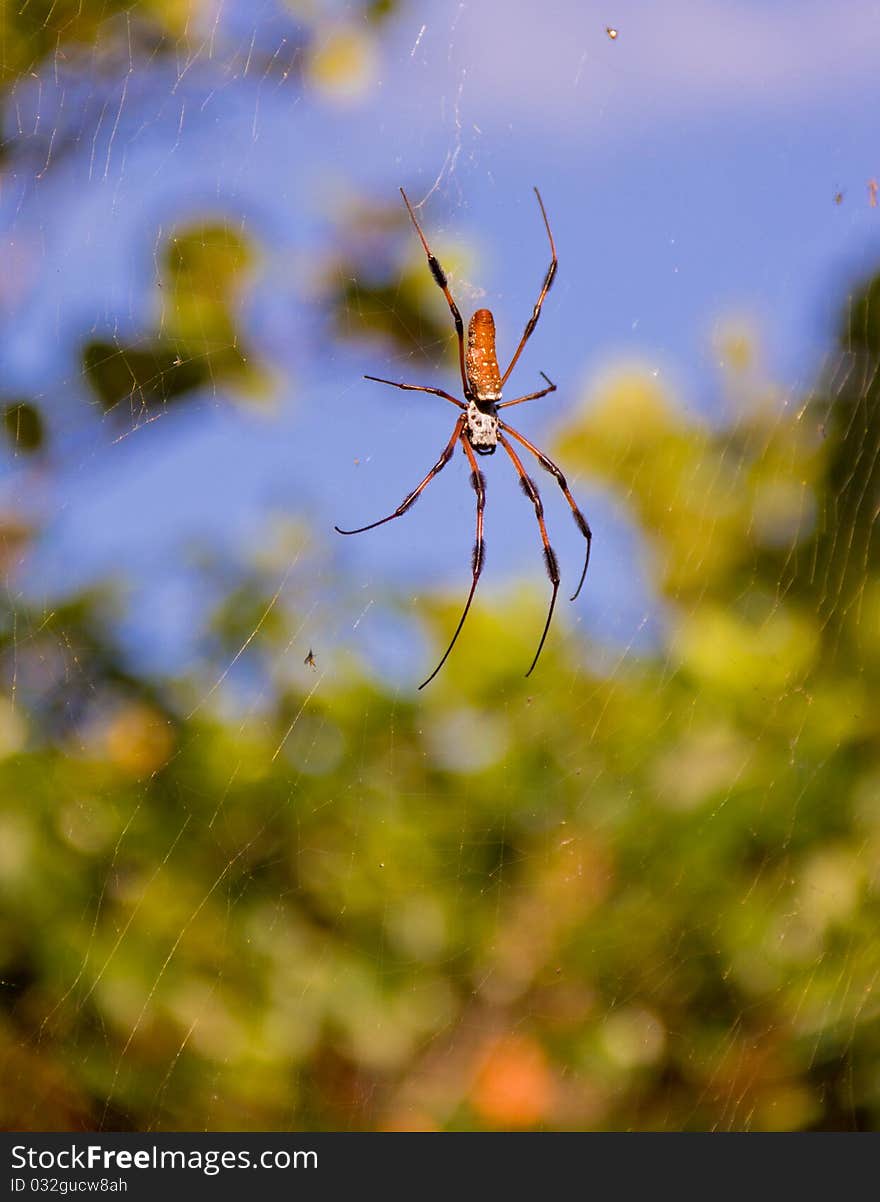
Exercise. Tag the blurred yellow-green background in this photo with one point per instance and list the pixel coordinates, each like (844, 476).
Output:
(250, 877)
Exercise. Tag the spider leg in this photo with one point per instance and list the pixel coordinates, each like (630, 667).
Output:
(531, 490)
(533, 396)
(548, 464)
(478, 483)
(442, 282)
(422, 388)
(416, 492)
(545, 288)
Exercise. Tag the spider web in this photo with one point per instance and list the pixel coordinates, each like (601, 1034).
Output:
(250, 878)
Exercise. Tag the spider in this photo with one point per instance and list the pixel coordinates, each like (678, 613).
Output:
(479, 429)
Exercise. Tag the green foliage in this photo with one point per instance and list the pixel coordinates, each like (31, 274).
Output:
(33, 31)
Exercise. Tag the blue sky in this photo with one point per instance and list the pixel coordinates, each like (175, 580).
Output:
(689, 167)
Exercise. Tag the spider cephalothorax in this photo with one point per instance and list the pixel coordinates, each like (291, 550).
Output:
(482, 426)
(480, 429)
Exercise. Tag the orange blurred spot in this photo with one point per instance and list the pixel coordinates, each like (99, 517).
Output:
(138, 740)
(411, 1120)
(514, 1087)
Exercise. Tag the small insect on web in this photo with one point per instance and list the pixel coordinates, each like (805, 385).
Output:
(480, 429)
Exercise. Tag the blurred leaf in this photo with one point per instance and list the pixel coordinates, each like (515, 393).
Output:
(147, 378)
(371, 294)
(196, 345)
(24, 427)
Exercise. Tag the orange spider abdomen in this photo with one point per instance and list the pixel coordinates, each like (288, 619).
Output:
(482, 362)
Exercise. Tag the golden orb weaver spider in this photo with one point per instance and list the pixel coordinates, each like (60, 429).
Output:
(480, 429)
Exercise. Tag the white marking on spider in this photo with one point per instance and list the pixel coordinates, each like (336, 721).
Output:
(482, 427)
